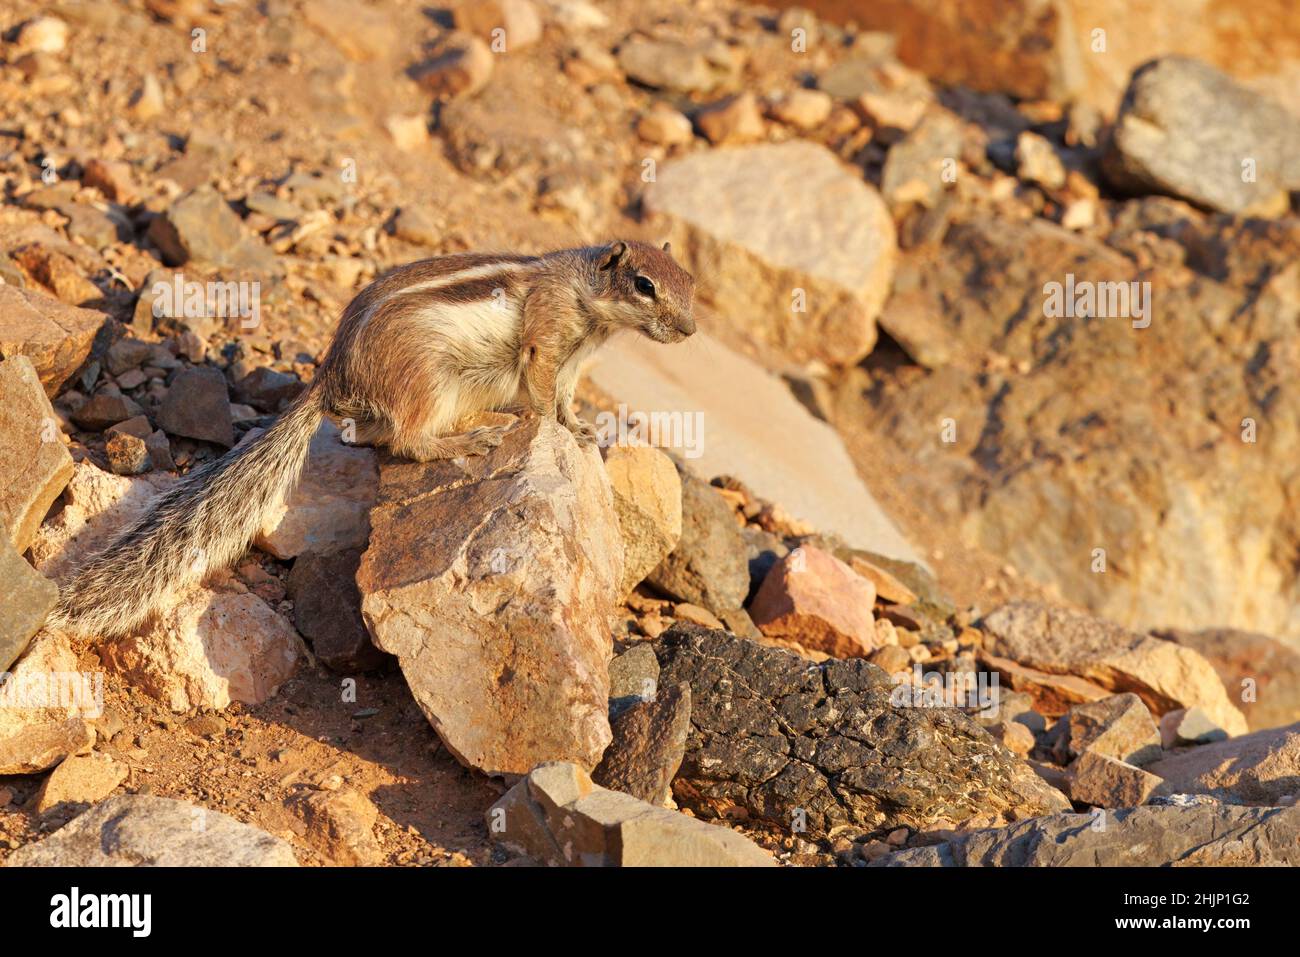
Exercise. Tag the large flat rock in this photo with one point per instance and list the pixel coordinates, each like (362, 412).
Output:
(1203, 835)
(749, 426)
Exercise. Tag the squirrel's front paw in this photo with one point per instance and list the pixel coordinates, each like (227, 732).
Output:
(582, 431)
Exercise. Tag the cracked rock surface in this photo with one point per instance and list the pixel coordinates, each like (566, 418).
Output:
(777, 739)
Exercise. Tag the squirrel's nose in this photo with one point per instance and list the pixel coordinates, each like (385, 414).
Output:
(686, 324)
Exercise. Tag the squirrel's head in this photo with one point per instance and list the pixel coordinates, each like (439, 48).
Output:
(639, 286)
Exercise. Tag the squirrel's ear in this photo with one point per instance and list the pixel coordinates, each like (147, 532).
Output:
(668, 247)
(613, 253)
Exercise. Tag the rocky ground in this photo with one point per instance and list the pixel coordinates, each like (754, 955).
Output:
(957, 572)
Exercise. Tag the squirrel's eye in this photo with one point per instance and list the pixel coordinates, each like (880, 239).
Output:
(644, 286)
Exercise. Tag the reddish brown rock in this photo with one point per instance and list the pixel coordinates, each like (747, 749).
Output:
(1054, 51)
(1059, 641)
(340, 826)
(812, 597)
(1119, 726)
(1102, 781)
(34, 464)
(1053, 694)
(56, 337)
(327, 610)
(197, 406)
(82, 779)
(461, 69)
(736, 120)
(648, 746)
(57, 272)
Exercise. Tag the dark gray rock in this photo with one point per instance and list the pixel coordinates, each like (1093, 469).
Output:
(708, 567)
(327, 610)
(28, 598)
(1186, 129)
(99, 412)
(762, 551)
(648, 746)
(266, 389)
(201, 228)
(1200, 835)
(633, 678)
(197, 406)
(822, 748)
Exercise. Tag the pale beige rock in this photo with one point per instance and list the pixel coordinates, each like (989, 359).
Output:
(42, 35)
(148, 101)
(1038, 162)
(813, 598)
(81, 779)
(576, 15)
(788, 245)
(137, 830)
(329, 509)
(1258, 768)
(214, 645)
(737, 120)
(663, 125)
(517, 21)
(1119, 726)
(648, 502)
(44, 706)
(97, 505)
(895, 110)
(359, 32)
(1246, 661)
(408, 132)
(558, 817)
(492, 579)
(803, 109)
(34, 464)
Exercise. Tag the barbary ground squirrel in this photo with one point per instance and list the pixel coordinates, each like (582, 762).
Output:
(419, 349)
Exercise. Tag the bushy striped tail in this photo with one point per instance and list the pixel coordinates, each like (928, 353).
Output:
(203, 522)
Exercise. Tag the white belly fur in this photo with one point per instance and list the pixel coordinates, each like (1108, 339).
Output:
(478, 342)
